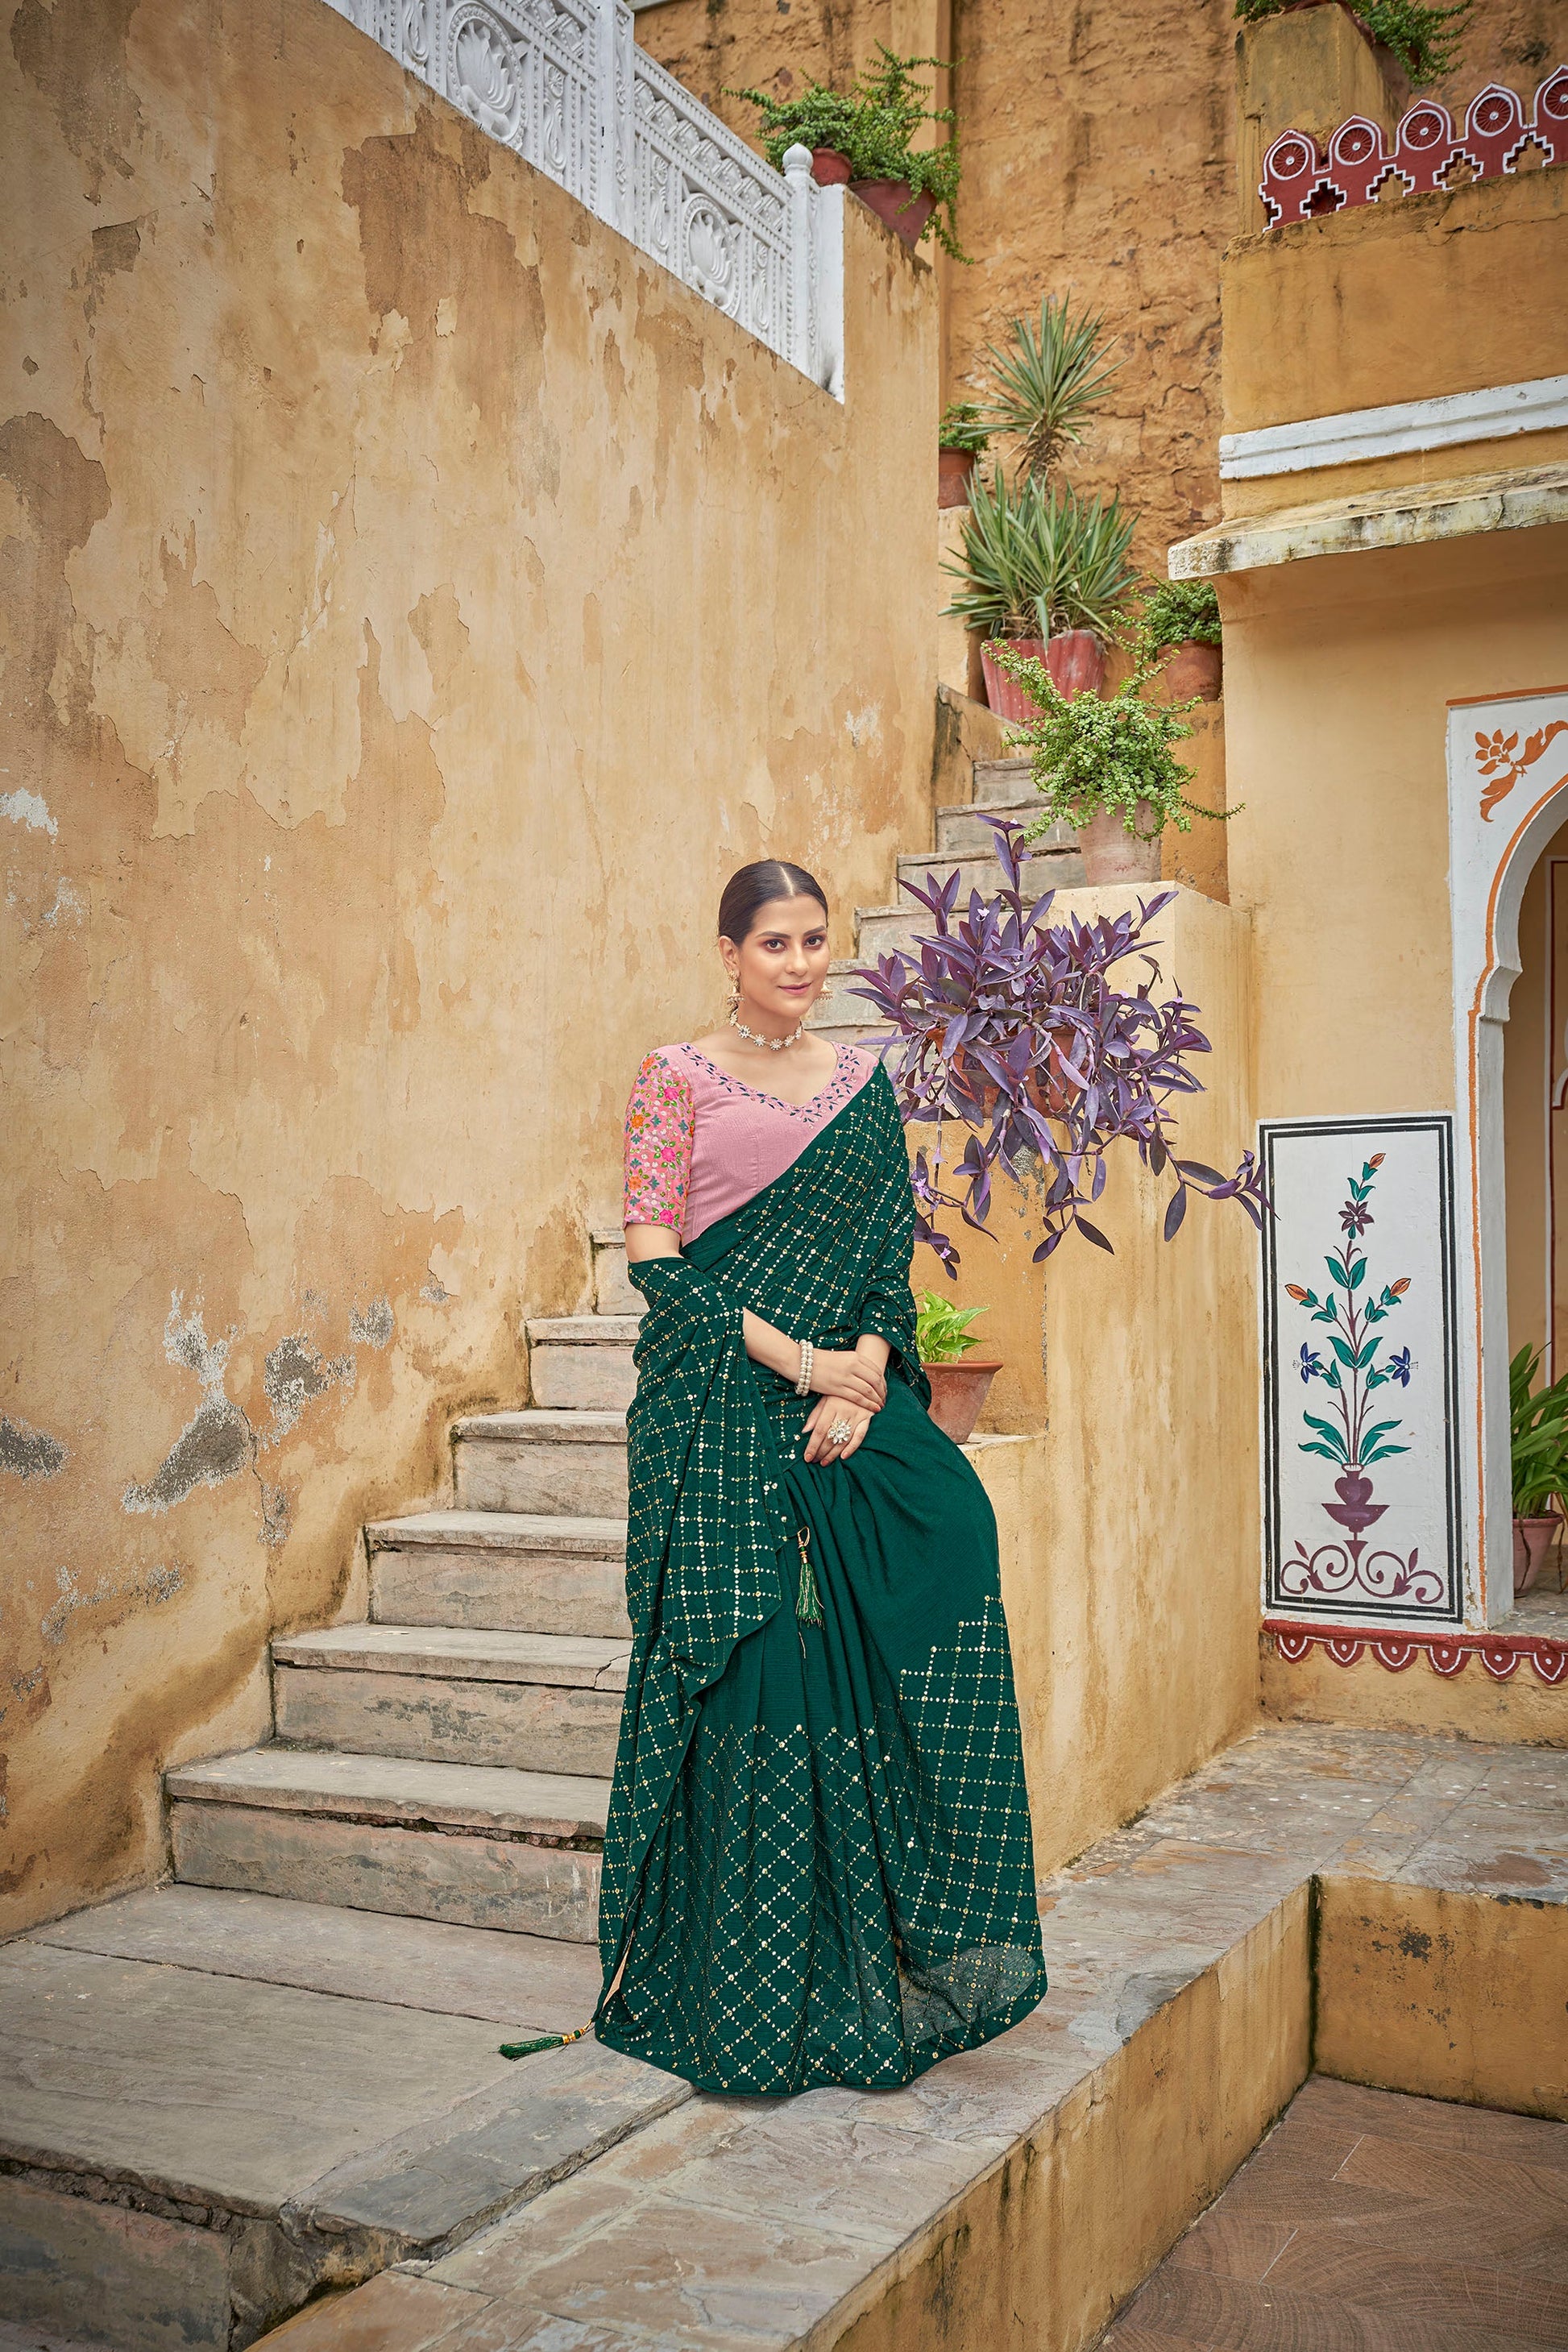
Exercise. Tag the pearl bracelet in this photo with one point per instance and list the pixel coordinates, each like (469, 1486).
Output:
(803, 1384)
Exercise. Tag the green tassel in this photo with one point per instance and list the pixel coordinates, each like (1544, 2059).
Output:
(808, 1600)
(546, 2042)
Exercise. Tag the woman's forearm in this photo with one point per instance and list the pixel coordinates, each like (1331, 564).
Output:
(875, 1349)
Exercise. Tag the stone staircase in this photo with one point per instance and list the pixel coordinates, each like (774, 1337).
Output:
(450, 1759)
(1002, 788)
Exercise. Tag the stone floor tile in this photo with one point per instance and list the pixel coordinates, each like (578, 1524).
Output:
(532, 1984)
(393, 2313)
(700, 2276)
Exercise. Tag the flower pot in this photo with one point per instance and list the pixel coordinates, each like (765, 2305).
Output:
(891, 201)
(958, 1392)
(953, 469)
(1531, 1542)
(830, 168)
(1111, 854)
(1075, 660)
(1191, 667)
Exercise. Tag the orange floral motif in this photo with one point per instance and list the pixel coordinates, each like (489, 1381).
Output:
(660, 1123)
(1499, 757)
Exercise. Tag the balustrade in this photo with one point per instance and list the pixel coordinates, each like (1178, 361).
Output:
(563, 84)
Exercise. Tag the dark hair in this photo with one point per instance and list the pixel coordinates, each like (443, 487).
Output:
(753, 885)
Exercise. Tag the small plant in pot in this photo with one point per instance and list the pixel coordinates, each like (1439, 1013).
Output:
(961, 438)
(1538, 1434)
(959, 1381)
(1106, 765)
(866, 136)
(1016, 1029)
(1179, 628)
(1043, 570)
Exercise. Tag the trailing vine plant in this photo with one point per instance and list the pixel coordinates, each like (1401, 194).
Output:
(873, 125)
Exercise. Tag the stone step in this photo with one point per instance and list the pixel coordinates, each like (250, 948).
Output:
(478, 1846)
(836, 1013)
(879, 929)
(962, 831)
(997, 781)
(540, 1702)
(582, 1360)
(500, 1572)
(613, 1294)
(1054, 869)
(570, 1464)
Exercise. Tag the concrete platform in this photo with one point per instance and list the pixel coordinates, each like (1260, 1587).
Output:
(1019, 2193)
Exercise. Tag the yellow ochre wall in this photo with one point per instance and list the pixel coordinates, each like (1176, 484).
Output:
(416, 605)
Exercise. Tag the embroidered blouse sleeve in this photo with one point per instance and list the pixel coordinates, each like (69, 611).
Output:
(660, 1123)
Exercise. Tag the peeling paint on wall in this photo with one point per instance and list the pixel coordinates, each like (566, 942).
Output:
(150, 1586)
(375, 1327)
(29, 809)
(29, 1452)
(218, 1443)
(294, 1373)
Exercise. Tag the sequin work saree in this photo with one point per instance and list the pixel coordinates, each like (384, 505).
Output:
(818, 1866)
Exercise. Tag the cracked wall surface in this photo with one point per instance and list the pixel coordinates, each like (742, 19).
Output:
(414, 604)
(1098, 155)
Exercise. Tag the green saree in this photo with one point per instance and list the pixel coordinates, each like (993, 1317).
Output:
(818, 1866)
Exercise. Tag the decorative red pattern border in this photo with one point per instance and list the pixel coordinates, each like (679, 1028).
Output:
(1298, 182)
(1449, 1653)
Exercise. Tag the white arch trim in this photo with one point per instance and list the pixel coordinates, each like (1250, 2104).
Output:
(1507, 794)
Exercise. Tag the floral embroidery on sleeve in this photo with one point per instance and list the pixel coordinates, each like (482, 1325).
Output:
(660, 1124)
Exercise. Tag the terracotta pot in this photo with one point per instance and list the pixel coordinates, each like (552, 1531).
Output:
(1111, 854)
(1531, 1542)
(1076, 659)
(888, 199)
(953, 469)
(830, 168)
(958, 1392)
(1191, 667)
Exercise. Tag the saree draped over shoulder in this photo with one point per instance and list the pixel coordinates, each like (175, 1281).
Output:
(818, 1866)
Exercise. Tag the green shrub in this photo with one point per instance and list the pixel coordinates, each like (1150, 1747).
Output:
(873, 125)
(961, 428)
(1090, 752)
(1178, 609)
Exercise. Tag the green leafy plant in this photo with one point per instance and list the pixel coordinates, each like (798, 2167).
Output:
(1176, 611)
(1538, 1435)
(1426, 40)
(1088, 752)
(1035, 561)
(874, 126)
(1048, 381)
(961, 428)
(941, 1329)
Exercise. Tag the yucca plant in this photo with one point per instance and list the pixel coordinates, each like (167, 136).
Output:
(1035, 561)
(1538, 1431)
(1048, 381)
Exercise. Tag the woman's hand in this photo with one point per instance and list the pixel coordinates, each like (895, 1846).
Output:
(824, 1415)
(849, 1377)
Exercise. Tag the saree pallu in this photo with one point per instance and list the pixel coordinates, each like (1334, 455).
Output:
(818, 1866)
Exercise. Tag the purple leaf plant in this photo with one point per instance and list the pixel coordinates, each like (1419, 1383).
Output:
(1016, 1028)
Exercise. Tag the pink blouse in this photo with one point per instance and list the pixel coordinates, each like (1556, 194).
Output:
(699, 1143)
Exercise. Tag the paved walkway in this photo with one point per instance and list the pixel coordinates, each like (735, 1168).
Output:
(1371, 2222)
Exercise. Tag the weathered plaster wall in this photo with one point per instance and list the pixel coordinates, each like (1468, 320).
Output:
(1099, 158)
(416, 605)
(1529, 1061)
(1128, 1502)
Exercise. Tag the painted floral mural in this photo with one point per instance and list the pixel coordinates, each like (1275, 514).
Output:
(1355, 1361)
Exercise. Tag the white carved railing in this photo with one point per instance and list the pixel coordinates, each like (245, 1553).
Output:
(563, 83)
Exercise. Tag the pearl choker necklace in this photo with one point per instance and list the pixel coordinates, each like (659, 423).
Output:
(773, 1044)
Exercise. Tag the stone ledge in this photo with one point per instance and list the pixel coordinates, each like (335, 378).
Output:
(1519, 500)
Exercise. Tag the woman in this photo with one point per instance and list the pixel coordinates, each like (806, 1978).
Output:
(818, 1866)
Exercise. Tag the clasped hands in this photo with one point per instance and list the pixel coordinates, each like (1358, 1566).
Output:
(848, 1387)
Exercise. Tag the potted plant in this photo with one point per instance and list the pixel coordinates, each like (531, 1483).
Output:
(959, 1381)
(1424, 40)
(1538, 1432)
(961, 438)
(866, 135)
(1014, 1027)
(1106, 765)
(1044, 570)
(1179, 619)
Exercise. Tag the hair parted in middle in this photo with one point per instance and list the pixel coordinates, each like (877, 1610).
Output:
(753, 887)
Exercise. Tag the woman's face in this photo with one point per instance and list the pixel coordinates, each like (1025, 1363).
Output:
(783, 960)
